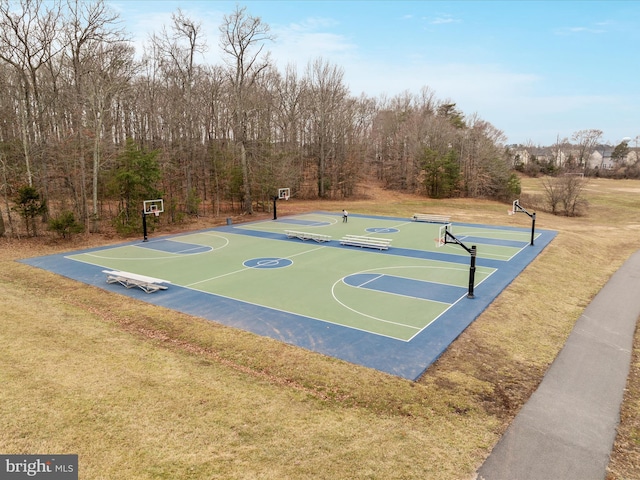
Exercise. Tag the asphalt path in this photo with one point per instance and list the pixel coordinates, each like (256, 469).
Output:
(567, 428)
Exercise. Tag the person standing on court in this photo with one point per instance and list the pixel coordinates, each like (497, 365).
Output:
(345, 216)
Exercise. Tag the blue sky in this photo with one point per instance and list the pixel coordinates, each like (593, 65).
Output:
(537, 70)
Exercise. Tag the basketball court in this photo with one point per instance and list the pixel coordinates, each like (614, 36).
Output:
(392, 303)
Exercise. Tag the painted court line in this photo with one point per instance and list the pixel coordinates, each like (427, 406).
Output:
(104, 257)
(390, 322)
(382, 335)
(412, 288)
(309, 317)
(245, 269)
(368, 281)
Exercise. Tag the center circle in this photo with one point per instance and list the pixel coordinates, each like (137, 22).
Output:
(267, 262)
(382, 230)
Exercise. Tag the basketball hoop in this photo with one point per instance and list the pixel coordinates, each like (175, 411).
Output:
(153, 210)
(284, 193)
(514, 208)
(441, 239)
(153, 207)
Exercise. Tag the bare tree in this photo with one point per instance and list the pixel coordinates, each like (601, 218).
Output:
(566, 192)
(4, 188)
(326, 104)
(73, 96)
(95, 48)
(242, 39)
(289, 92)
(485, 167)
(217, 125)
(28, 41)
(177, 49)
(111, 78)
(559, 150)
(586, 141)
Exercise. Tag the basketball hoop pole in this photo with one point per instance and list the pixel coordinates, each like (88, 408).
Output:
(518, 208)
(144, 225)
(472, 252)
(150, 207)
(275, 203)
(533, 226)
(472, 270)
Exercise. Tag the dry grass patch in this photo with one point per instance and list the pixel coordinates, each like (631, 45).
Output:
(141, 392)
(625, 458)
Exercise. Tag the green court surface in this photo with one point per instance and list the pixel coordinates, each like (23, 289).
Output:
(395, 310)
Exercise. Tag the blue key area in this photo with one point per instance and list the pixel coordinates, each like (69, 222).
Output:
(407, 286)
(179, 248)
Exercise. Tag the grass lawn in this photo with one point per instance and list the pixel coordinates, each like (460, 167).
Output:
(140, 392)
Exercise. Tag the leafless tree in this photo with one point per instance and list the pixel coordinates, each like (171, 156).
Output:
(29, 38)
(485, 165)
(325, 104)
(177, 49)
(586, 142)
(97, 55)
(242, 39)
(73, 95)
(559, 150)
(565, 192)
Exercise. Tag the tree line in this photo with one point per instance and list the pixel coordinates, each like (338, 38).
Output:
(92, 127)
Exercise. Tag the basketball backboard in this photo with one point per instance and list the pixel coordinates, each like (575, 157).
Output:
(153, 207)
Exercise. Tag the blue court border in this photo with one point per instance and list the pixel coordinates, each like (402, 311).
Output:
(403, 359)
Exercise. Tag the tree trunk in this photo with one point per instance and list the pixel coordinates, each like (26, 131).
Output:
(248, 203)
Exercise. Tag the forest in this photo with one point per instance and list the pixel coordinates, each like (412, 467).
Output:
(91, 127)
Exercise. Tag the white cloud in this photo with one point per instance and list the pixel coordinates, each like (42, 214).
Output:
(578, 30)
(301, 43)
(311, 23)
(444, 19)
(524, 103)
(141, 25)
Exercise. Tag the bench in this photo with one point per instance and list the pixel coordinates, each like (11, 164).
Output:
(129, 280)
(428, 217)
(367, 242)
(318, 237)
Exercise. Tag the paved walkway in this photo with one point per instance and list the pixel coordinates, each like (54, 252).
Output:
(567, 428)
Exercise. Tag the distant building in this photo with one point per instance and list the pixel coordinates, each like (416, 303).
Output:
(600, 158)
(544, 155)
